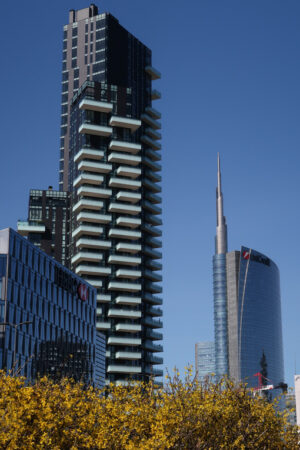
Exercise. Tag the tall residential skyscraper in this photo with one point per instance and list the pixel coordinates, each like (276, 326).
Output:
(247, 311)
(110, 165)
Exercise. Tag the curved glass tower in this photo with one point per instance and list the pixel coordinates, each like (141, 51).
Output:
(258, 319)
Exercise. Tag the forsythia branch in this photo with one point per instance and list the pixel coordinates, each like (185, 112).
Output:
(184, 414)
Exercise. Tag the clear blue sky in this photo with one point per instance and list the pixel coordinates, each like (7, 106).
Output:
(230, 84)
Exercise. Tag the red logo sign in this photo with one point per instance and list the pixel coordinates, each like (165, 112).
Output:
(246, 255)
(83, 292)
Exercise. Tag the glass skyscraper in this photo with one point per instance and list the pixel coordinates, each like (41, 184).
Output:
(247, 311)
(257, 319)
(47, 316)
(110, 164)
(204, 360)
(219, 285)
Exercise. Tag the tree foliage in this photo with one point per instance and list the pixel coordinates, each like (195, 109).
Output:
(182, 415)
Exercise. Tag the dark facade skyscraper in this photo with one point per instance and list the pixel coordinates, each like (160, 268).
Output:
(48, 221)
(109, 162)
(247, 308)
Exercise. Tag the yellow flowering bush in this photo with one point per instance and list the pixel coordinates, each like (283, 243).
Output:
(182, 415)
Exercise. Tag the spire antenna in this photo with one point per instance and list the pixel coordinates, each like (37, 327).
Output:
(221, 236)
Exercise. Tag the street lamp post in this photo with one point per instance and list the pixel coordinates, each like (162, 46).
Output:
(15, 326)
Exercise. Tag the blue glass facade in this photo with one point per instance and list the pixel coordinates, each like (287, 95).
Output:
(60, 338)
(259, 318)
(220, 314)
(205, 360)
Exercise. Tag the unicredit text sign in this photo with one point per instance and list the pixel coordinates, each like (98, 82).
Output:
(257, 258)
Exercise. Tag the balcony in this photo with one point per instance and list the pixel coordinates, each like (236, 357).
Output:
(155, 94)
(128, 341)
(86, 178)
(154, 176)
(126, 196)
(121, 146)
(154, 73)
(154, 359)
(95, 105)
(103, 298)
(87, 204)
(153, 198)
(154, 372)
(103, 326)
(91, 166)
(83, 270)
(154, 209)
(123, 369)
(151, 230)
(95, 130)
(29, 226)
(152, 186)
(88, 153)
(128, 355)
(95, 282)
(124, 208)
(153, 276)
(152, 122)
(87, 256)
(157, 312)
(123, 300)
(128, 222)
(124, 313)
(152, 253)
(153, 134)
(126, 287)
(131, 172)
(154, 265)
(150, 142)
(153, 154)
(124, 158)
(124, 183)
(148, 345)
(94, 192)
(87, 230)
(156, 243)
(152, 299)
(154, 220)
(154, 288)
(128, 328)
(153, 112)
(128, 273)
(124, 234)
(155, 335)
(93, 243)
(124, 260)
(153, 323)
(84, 216)
(128, 248)
(152, 164)
(125, 122)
